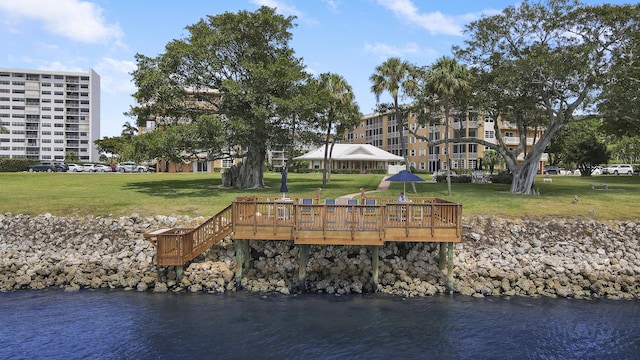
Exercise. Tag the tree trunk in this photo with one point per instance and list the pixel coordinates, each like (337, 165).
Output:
(447, 156)
(326, 155)
(524, 177)
(250, 173)
(330, 167)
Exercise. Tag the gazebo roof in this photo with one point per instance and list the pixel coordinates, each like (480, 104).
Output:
(352, 152)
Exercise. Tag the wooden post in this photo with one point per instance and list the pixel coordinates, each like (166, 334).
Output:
(247, 254)
(375, 270)
(303, 259)
(239, 262)
(443, 256)
(450, 268)
(179, 273)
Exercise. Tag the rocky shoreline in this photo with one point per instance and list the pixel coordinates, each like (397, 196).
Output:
(571, 258)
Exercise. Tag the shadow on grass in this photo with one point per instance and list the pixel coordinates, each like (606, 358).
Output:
(212, 188)
(178, 188)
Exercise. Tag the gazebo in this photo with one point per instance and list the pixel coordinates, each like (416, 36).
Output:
(362, 157)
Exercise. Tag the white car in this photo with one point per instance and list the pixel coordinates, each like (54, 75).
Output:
(75, 168)
(619, 169)
(102, 168)
(130, 166)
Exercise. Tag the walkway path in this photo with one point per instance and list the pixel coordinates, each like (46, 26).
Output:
(384, 185)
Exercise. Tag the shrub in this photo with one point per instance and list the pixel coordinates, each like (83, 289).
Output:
(458, 179)
(502, 179)
(15, 165)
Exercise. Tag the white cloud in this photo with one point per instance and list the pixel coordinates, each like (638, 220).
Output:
(115, 75)
(58, 66)
(281, 7)
(435, 22)
(332, 4)
(385, 51)
(284, 9)
(75, 19)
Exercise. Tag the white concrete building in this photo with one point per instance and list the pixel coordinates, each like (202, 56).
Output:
(49, 114)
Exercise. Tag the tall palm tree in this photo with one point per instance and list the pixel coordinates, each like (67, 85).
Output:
(341, 112)
(448, 80)
(393, 76)
(128, 130)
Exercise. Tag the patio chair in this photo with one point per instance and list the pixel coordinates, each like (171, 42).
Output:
(307, 212)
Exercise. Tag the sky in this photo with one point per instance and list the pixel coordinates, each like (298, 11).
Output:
(346, 37)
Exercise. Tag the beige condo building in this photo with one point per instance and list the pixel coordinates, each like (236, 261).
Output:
(380, 130)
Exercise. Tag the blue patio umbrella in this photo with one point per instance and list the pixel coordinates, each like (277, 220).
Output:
(283, 183)
(405, 176)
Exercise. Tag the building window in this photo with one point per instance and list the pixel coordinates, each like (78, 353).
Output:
(227, 163)
(489, 134)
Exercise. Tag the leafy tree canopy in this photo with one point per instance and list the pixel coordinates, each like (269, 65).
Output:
(538, 64)
(236, 66)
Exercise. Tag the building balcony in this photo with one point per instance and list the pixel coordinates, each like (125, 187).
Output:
(32, 110)
(514, 140)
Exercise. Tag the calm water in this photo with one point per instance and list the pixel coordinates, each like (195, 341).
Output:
(132, 325)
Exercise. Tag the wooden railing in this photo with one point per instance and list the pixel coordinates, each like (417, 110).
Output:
(370, 221)
(177, 246)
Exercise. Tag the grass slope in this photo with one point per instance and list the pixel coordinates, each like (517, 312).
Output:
(67, 194)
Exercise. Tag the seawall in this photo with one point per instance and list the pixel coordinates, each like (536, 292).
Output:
(574, 258)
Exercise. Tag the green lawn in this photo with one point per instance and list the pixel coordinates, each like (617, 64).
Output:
(66, 194)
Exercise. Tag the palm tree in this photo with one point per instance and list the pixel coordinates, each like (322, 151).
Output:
(341, 112)
(128, 130)
(393, 76)
(448, 80)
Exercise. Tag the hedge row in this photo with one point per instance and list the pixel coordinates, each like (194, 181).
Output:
(454, 179)
(15, 165)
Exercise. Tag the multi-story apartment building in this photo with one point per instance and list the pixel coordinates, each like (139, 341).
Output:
(380, 130)
(48, 115)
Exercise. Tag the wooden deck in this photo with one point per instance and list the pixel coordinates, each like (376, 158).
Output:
(306, 221)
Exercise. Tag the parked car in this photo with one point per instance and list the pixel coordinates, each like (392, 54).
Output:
(101, 168)
(47, 166)
(619, 169)
(88, 167)
(75, 168)
(60, 166)
(597, 170)
(551, 170)
(130, 166)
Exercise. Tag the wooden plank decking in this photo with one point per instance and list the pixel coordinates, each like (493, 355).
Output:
(308, 222)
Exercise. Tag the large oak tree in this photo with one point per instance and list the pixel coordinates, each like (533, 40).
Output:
(539, 64)
(241, 66)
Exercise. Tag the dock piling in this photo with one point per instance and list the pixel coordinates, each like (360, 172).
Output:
(450, 268)
(375, 269)
(303, 259)
(239, 262)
